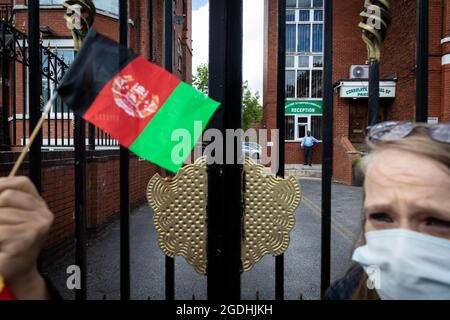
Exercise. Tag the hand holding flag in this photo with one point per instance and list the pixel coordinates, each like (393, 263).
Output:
(25, 221)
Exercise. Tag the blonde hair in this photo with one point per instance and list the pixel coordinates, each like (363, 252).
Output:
(418, 142)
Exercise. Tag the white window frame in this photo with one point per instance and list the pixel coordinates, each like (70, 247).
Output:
(311, 54)
(308, 125)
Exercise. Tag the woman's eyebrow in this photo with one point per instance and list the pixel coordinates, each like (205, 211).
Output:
(377, 208)
(437, 211)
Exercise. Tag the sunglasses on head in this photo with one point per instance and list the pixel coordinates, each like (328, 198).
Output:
(395, 130)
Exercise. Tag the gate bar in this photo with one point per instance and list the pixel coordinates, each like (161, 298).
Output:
(124, 181)
(150, 30)
(281, 95)
(327, 162)
(34, 76)
(80, 204)
(422, 61)
(6, 141)
(225, 182)
(374, 92)
(168, 64)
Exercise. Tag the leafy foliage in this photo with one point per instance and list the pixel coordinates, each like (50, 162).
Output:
(252, 109)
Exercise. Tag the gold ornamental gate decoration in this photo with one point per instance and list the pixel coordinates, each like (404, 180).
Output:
(179, 206)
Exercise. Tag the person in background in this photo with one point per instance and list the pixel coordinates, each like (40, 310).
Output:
(25, 221)
(308, 143)
(405, 253)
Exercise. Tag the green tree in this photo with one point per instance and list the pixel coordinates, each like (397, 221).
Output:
(252, 109)
(253, 112)
(200, 79)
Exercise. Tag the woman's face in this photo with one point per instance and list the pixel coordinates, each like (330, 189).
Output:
(407, 191)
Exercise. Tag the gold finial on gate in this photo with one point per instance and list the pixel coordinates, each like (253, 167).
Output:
(80, 16)
(376, 19)
(179, 208)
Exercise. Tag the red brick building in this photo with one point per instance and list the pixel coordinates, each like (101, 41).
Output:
(303, 72)
(146, 36)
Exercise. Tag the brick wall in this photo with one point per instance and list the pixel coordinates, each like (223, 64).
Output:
(398, 60)
(348, 49)
(445, 84)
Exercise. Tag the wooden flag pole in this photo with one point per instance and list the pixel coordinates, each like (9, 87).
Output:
(33, 135)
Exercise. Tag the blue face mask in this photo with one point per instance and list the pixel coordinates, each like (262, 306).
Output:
(406, 265)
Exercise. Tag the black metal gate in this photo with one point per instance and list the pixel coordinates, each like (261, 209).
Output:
(225, 196)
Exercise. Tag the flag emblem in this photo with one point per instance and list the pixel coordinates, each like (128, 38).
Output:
(133, 97)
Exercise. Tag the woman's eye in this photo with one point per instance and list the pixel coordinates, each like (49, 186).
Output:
(381, 217)
(434, 222)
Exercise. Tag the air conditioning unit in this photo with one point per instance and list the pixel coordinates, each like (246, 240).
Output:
(359, 72)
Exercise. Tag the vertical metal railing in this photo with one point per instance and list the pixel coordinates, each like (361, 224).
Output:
(14, 102)
(124, 181)
(225, 207)
(150, 30)
(25, 92)
(281, 97)
(422, 77)
(168, 64)
(79, 136)
(327, 162)
(34, 77)
(4, 103)
(374, 92)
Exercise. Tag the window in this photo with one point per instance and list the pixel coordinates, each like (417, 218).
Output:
(303, 61)
(302, 123)
(304, 36)
(304, 4)
(290, 128)
(303, 15)
(290, 84)
(290, 15)
(291, 3)
(290, 62)
(48, 85)
(317, 62)
(316, 84)
(317, 3)
(290, 38)
(316, 127)
(317, 43)
(303, 84)
(318, 15)
(298, 125)
(304, 42)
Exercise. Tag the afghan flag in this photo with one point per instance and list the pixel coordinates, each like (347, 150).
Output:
(138, 103)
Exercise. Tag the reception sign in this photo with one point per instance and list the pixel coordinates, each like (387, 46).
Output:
(305, 107)
(360, 89)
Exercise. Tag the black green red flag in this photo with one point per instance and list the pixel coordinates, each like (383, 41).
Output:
(136, 102)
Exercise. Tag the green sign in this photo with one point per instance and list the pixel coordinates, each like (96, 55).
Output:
(304, 107)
